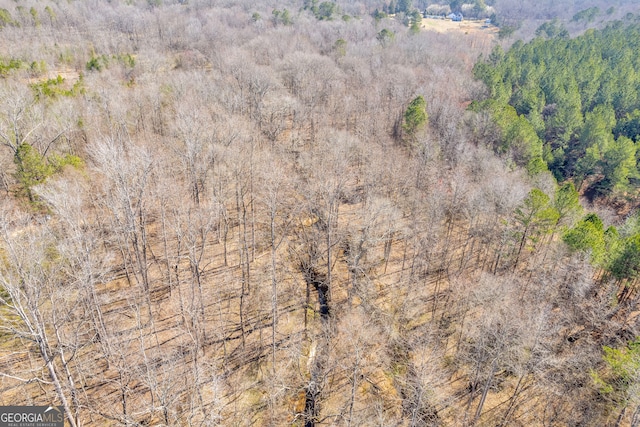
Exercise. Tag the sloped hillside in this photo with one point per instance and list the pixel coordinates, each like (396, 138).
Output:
(244, 214)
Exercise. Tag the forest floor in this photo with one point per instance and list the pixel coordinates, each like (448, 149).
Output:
(69, 74)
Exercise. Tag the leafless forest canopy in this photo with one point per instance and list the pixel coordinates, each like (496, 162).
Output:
(238, 213)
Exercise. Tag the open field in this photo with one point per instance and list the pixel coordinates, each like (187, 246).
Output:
(473, 28)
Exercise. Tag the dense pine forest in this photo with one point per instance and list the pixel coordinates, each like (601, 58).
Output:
(571, 104)
(316, 213)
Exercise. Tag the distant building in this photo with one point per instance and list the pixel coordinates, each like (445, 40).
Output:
(456, 17)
